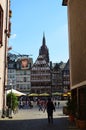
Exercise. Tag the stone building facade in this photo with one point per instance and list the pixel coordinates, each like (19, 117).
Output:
(5, 15)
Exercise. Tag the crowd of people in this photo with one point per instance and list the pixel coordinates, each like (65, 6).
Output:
(25, 104)
(41, 103)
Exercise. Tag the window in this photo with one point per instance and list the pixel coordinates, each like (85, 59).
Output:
(1, 25)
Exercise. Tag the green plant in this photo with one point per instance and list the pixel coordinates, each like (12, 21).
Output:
(12, 101)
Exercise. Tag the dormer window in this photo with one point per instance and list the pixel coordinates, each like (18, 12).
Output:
(1, 25)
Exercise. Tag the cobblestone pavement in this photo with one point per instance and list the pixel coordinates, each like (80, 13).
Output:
(33, 119)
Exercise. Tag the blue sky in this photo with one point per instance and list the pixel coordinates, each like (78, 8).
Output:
(30, 18)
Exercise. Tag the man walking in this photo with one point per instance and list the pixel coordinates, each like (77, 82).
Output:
(50, 108)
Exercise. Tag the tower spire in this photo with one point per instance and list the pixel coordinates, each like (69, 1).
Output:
(43, 41)
(44, 50)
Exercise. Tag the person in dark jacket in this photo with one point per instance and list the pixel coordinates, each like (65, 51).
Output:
(50, 108)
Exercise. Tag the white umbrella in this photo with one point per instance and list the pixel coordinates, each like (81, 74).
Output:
(17, 93)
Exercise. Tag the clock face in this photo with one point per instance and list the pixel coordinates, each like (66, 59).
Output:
(24, 63)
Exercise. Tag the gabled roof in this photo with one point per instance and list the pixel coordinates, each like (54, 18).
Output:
(62, 65)
(66, 66)
(40, 63)
(56, 67)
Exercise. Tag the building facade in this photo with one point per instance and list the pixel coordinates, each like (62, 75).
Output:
(40, 76)
(47, 76)
(66, 78)
(11, 78)
(77, 51)
(40, 71)
(23, 71)
(57, 79)
(5, 14)
(19, 69)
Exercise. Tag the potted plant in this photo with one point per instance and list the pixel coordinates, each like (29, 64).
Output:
(81, 121)
(12, 101)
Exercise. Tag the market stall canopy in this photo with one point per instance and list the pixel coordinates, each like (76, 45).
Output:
(56, 94)
(33, 95)
(44, 94)
(67, 94)
(17, 93)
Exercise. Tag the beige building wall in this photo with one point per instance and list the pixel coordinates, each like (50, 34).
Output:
(77, 46)
(77, 41)
(2, 51)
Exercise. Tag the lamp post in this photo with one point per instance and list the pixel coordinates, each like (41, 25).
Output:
(10, 115)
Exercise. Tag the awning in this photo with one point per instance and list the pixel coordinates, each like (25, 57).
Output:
(56, 94)
(33, 95)
(17, 93)
(44, 94)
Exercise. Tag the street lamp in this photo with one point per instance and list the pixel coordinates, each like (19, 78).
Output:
(10, 115)
(4, 112)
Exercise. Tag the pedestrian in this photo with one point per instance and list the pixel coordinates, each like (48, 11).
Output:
(40, 106)
(50, 108)
(44, 106)
(55, 104)
(58, 104)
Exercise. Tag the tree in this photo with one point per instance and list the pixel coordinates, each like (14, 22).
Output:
(12, 101)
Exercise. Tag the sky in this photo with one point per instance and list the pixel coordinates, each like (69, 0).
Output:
(30, 19)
